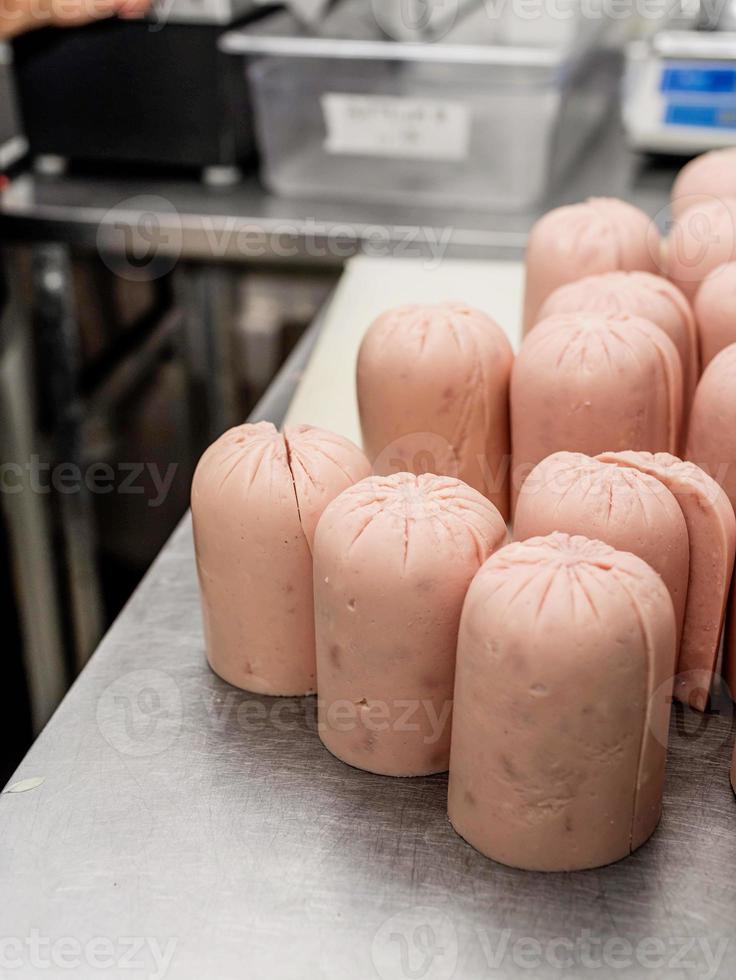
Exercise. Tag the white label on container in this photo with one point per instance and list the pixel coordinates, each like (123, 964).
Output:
(393, 126)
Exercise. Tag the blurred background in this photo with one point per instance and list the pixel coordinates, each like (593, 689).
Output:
(180, 186)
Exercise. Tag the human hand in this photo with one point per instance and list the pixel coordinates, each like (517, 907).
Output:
(18, 16)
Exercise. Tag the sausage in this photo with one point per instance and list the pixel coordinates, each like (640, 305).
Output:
(562, 702)
(639, 294)
(701, 238)
(592, 383)
(715, 311)
(708, 175)
(626, 509)
(711, 527)
(602, 234)
(393, 559)
(712, 437)
(433, 387)
(256, 498)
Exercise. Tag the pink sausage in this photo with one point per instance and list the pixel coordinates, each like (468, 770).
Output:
(256, 498)
(626, 509)
(702, 238)
(706, 176)
(601, 234)
(591, 383)
(433, 384)
(711, 527)
(639, 294)
(715, 311)
(562, 701)
(729, 648)
(712, 438)
(393, 559)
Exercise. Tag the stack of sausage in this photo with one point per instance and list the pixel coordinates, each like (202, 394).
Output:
(540, 672)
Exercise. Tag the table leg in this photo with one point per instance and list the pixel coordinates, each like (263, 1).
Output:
(26, 510)
(58, 338)
(207, 297)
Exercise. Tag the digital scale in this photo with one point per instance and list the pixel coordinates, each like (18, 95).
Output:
(680, 91)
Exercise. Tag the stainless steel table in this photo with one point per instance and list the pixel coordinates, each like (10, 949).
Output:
(169, 825)
(164, 221)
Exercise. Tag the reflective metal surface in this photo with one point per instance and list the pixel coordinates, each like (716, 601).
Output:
(213, 825)
(183, 219)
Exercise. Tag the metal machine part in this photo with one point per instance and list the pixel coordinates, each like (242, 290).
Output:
(120, 92)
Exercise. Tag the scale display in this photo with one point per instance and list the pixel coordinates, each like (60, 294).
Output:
(711, 81)
(679, 93)
(703, 96)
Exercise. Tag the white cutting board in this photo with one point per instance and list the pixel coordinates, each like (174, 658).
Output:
(326, 395)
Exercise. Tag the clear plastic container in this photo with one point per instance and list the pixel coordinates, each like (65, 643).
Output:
(465, 126)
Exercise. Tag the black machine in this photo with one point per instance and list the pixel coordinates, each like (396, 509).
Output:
(134, 92)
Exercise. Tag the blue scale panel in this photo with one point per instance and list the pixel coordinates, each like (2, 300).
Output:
(699, 95)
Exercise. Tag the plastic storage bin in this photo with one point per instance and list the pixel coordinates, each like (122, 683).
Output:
(464, 126)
